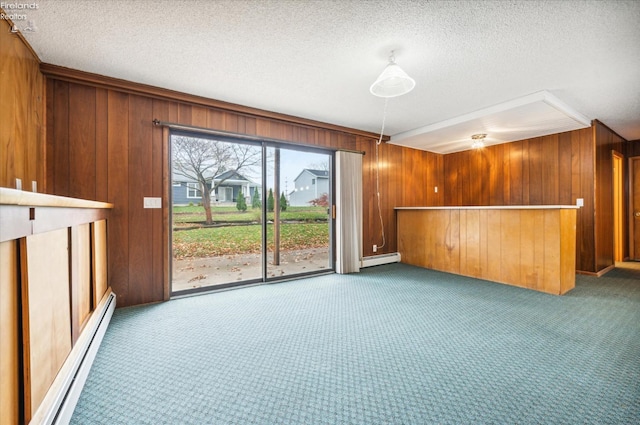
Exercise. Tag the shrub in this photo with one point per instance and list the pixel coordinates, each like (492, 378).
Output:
(283, 202)
(241, 204)
(255, 200)
(322, 201)
(270, 201)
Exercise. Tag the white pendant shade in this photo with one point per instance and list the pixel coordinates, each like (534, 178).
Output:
(392, 82)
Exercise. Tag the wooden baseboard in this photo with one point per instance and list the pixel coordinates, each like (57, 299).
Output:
(597, 274)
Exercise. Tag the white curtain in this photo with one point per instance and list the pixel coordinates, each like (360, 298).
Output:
(348, 211)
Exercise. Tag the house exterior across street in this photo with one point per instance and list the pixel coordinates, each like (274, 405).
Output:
(309, 185)
(186, 191)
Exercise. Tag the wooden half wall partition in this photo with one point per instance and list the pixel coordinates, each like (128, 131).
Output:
(526, 246)
(53, 299)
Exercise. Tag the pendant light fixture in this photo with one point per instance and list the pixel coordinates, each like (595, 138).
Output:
(393, 81)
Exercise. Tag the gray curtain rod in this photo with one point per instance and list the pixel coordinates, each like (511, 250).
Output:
(195, 129)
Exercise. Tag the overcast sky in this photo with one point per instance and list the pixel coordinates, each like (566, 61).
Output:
(291, 164)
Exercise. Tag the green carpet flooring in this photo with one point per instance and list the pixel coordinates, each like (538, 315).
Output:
(394, 344)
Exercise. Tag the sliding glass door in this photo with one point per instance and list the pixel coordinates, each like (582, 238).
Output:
(247, 212)
(298, 212)
(217, 236)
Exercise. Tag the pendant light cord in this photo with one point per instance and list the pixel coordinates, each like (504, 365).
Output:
(384, 118)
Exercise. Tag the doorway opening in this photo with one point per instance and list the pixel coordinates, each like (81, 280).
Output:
(618, 208)
(634, 208)
(247, 211)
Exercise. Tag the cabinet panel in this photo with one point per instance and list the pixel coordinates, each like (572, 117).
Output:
(45, 300)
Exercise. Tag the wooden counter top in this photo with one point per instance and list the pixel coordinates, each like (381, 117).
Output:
(31, 199)
(26, 213)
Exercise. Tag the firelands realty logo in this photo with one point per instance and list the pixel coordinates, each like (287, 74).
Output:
(17, 12)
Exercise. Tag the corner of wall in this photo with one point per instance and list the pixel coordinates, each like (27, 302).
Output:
(22, 104)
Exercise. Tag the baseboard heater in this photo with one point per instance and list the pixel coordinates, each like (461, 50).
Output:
(60, 402)
(377, 260)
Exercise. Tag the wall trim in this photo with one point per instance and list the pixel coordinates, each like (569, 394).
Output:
(597, 274)
(74, 76)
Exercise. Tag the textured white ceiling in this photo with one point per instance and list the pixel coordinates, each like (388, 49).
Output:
(526, 117)
(317, 59)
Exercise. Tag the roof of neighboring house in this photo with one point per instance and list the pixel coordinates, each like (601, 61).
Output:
(319, 173)
(231, 175)
(322, 174)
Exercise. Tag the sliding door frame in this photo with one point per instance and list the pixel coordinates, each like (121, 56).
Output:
(264, 144)
(331, 217)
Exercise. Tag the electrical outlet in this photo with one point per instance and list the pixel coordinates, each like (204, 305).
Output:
(375, 248)
(580, 202)
(34, 186)
(18, 184)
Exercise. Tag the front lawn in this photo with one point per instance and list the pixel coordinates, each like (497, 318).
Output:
(237, 232)
(216, 241)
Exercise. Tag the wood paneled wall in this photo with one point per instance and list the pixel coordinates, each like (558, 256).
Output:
(21, 112)
(606, 141)
(633, 148)
(102, 145)
(550, 170)
(407, 177)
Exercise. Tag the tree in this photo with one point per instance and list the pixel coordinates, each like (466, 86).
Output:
(270, 201)
(255, 200)
(241, 204)
(321, 201)
(201, 160)
(322, 165)
(283, 202)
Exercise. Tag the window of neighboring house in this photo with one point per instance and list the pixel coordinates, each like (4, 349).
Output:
(313, 181)
(193, 190)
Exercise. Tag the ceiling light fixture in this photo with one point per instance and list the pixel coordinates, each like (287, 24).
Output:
(393, 81)
(478, 141)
